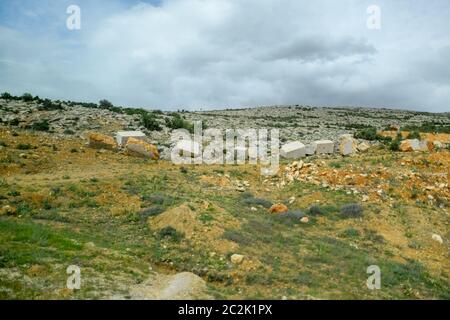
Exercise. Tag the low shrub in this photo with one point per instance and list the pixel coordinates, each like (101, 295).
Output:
(315, 210)
(151, 212)
(353, 210)
(290, 217)
(171, 234)
(41, 126)
(150, 122)
(258, 202)
(237, 236)
(24, 146)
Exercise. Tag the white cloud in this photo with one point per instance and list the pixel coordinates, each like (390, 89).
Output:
(231, 53)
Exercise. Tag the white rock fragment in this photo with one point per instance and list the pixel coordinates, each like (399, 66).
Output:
(437, 238)
(293, 150)
(123, 136)
(347, 145)
(310, 149)
(237, 258)
(324, 146)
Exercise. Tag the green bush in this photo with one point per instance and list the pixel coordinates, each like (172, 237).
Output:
(430, 127)
(6, 96)
(290, 217)
(151, 212)
(371, 135)
(150, 122)
(48, 105)
(350, 233)
(414, 135)
(170, 233)
(105, 104)
(353, 210)
(24, 146)
(27, 97)
(258, 202)
(395, 144)
(177, 122)
(315, 210)
(41, 126)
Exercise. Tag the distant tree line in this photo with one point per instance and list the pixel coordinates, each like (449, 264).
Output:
(149, 119)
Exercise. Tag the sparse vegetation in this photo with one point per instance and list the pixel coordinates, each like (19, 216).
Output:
(178, 122)
(352, 210)
(150, 122)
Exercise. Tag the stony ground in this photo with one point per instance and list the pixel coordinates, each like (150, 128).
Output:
(142, 229)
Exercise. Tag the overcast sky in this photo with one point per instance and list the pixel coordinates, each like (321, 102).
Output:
(193, 54)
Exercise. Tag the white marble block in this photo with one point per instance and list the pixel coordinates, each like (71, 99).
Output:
(293, 150)
(324, 146)
(122, 136)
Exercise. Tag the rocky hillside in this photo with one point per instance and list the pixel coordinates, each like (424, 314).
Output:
(148, 229)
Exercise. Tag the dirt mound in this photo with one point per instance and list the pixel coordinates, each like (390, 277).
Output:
(202, 224)
(181, 286)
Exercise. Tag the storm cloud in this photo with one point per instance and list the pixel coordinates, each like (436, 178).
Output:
(196, 54)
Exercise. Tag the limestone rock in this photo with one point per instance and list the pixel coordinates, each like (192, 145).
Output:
(278, 208)
(437, 238)
(101, 141)
(181, 286)
(304, 220)
(323, 146)
(310, 149)
(363, 146)
(7, 210)
(347, 145)
(136, 147)
(410, 145)
(237, 258)
(293, 150)
(123, 136)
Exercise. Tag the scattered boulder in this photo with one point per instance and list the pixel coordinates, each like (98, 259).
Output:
(136, 147)
(304, 220)
(123, 136)
(181, 286)
(237, 258)
(437, 238)
(310, 149)
(347, 145)
(293, 150)
(7, 210)
(438, 145)
(323, 146)
(409, 145)
(363, 146)
(278, 208)
(101, 141)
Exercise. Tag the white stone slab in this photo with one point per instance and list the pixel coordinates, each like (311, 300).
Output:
(293, 150)
(324, 146)
(122, 136)
(310, 149)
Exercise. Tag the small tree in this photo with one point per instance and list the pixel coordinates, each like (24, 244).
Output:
(149, 121)
(105, 104)
(6, 96)
(27, 97)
